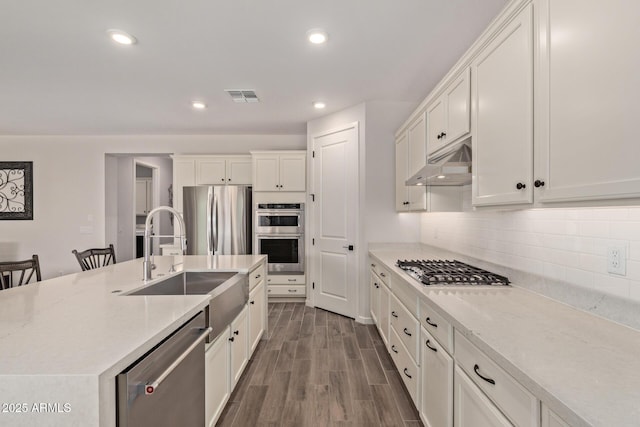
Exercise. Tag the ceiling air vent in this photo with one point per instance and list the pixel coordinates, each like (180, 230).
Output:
(239, 95)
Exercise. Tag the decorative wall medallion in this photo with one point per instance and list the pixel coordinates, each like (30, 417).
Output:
(16, 190)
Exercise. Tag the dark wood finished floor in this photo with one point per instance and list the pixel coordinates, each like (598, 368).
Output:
(319, 369)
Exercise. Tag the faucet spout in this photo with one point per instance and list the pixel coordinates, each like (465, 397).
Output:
(146, 263)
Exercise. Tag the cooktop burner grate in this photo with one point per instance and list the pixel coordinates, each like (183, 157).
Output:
(445, 272)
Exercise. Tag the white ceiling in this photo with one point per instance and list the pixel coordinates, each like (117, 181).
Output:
(60, 74)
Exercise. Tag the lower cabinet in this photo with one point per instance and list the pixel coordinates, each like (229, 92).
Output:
(472, 408)
(383, 324)
(217, 378)
(239, 345)
(257, 314)
(374, 298)
(406, 366)
(436, 408)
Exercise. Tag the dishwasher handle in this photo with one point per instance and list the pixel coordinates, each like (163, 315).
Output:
(151, 386)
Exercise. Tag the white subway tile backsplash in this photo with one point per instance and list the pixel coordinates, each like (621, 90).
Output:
(562, 244)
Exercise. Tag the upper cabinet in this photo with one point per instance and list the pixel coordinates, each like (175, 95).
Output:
(502, 118)
(279, 170)
(410, 157)
(143, 196)
(448, 115)
(223, 170)
(586, 113)
(183, 176)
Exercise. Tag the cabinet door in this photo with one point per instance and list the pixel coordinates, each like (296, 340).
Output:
(257, 310)
(417, 158)
(266, 176)
(293, 172)
(437, 383)
(383, 325)
(402, 155)
(471, 406)
(374, 298)
(216, 371)
(239, 171)
(550, 419)
(586, 117)
(184, 175)
(458, 102)
(502, 116)
(239, 343)
(142, 205)
(436, 125)
(210, 171)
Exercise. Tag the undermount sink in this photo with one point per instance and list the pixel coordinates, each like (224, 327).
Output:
(229, 293)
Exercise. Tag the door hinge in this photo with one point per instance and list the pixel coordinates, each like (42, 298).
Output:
(313, 285)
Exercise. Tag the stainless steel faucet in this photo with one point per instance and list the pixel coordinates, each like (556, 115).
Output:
(146, 264)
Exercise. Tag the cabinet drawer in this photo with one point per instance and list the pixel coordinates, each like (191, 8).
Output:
(286, 279)
(379, 269)
(436, 326)
(405, 325)
(406, 366)
(286, 291)
(406, 293)
(256, 276)
(520, 406)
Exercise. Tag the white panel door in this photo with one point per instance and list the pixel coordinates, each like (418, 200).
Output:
(335, 185)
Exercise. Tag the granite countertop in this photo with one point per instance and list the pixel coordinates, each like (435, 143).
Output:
(584, 367)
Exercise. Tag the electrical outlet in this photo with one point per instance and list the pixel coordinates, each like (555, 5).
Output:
(617, 260)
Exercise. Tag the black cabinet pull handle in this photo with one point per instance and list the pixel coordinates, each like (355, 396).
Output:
(538, 183)
(430, 323)
(258, 276)
(439, 136)
(373, 265)
(476, 368)
(252, 302)
(406, 373)
(429, 346)
(376, 285)
(393, 348)
(444, 134)
(393, 313)
(383, 275)
(236, 332)
(407, 332)
(521, 186)
(231, 339)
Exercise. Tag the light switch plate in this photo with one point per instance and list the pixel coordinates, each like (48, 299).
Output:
(617, 260)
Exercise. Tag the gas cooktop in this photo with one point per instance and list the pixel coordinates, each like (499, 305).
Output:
(445, 272)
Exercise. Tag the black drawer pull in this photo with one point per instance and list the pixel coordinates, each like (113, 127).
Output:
(394, 314)
(258, 276)
(373, 265)
(429, 346)
(407, 332)
(383, 275)
(231, 339)
(406, 373)
(430, 323)
(476, 368)
(252, 302)
(376, 285)
(236, 332)
(393, 348)
(292, 280)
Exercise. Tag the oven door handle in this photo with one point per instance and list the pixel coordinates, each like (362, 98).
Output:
(279, 236)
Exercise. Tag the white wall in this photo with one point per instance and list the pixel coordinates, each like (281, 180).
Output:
(378, 220)
(70, 189)
(563, 244)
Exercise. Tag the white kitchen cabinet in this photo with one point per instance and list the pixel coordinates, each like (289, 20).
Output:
(448, 117)
(502, 115)
(405, 325)
(143, 196)
(239, 345)
(217, 377)
(406, 366)
(586, 113)
(380, 300)
(212, 170)
(374, 298)
(471, 406)
(184, 175)
(279, 171)
(257, 314)
(550, 418)
(409, 198)
(436, 369)
(383, 325)
(286, 285)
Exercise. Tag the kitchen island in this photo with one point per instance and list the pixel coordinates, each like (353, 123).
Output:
(63, 340)
(581, 368)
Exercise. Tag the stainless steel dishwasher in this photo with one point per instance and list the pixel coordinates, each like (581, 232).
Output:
(165, 387)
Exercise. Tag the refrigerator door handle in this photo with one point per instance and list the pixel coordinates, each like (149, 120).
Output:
(211, 226)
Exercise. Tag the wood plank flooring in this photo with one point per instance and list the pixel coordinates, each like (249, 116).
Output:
(319, 369)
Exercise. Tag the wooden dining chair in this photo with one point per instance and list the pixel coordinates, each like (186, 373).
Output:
(18, 273)
(95, 258)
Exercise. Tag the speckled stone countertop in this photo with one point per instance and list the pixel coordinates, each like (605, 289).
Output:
(582, 366)
(64, 336)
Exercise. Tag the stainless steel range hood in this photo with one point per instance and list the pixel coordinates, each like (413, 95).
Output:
(452, 167)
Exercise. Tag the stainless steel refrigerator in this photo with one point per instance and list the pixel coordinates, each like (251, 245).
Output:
(218, 219)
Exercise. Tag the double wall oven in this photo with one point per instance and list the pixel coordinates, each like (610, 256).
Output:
(279, 234)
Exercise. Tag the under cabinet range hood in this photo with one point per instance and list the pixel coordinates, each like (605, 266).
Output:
(451, 167)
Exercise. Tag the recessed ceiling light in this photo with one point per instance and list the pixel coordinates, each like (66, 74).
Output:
(441, 177)
(319, 105)
(317, 36)
(198, 105)
(121, 37)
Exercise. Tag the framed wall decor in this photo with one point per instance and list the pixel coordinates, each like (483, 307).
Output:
(16, 190)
